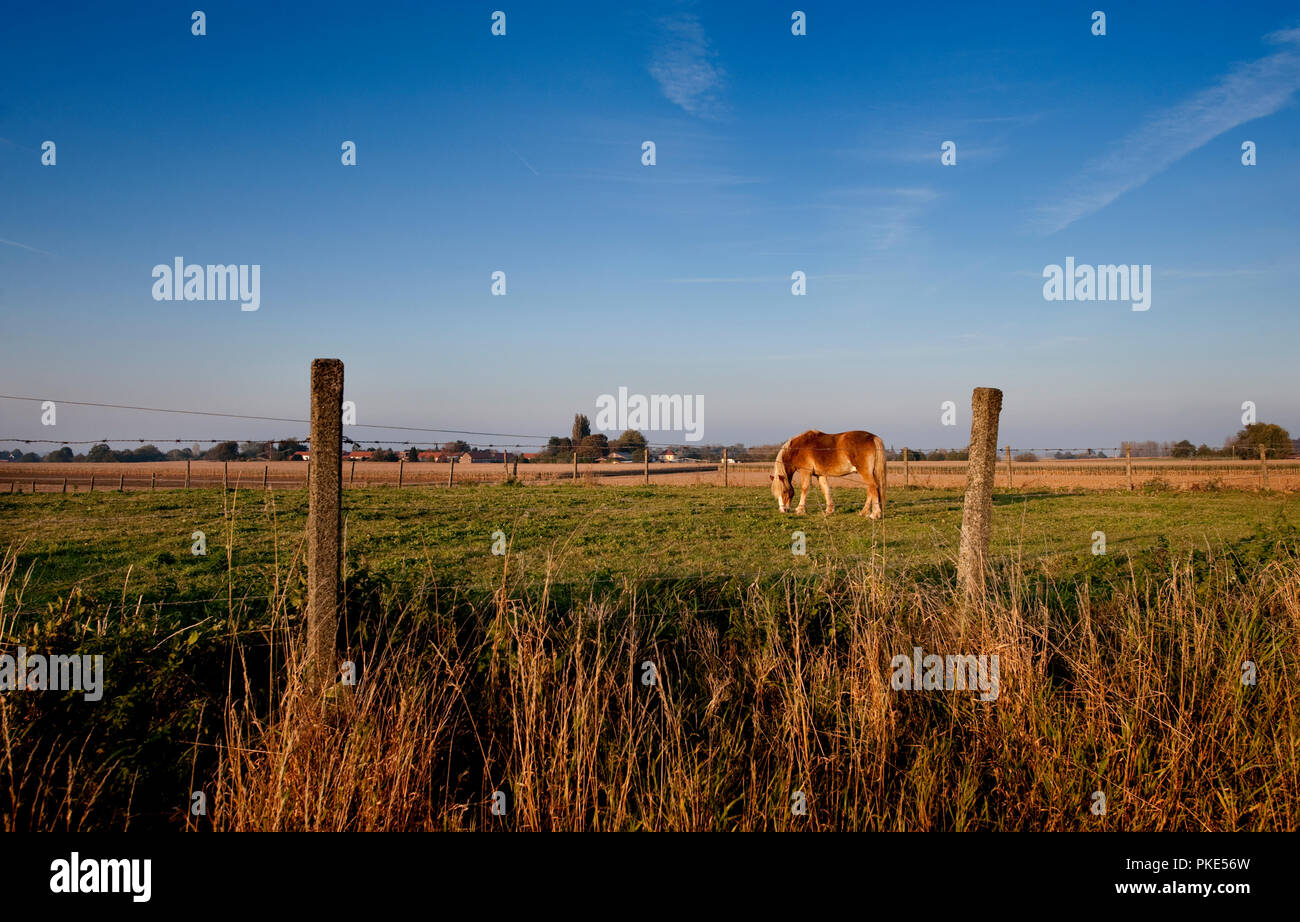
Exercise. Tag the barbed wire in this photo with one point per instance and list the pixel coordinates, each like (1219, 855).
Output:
(536, 442)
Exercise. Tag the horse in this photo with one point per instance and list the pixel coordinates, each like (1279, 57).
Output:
(833, 454)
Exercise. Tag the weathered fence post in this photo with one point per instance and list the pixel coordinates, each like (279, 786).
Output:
(1128, 464)
(324, 518)
(451, 474)
(505, 455)
(225, 475)
(352, 472)
(907, 474)
(724, 467)
(977, 513)
(65, 484)
(575, 464)
(1263, 467)
(121, 483)
(187, 473)
(92, 483)
(153, 481)
(514, 471)
(266, 468)
(401, 471)
(645, 462)
(1010, 483)
(307, 477)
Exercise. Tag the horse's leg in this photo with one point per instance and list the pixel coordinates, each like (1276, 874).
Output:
(826, 492)
(803, 493)
(871, 508)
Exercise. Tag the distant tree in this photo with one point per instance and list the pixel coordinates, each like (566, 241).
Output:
(32, 457)
(1275, 440)
(178, 454)
(285, 449)
(1205, 451)
(593, 447)
(1183, 449)
(936, 455)
(147, 453)
(1026, 456)
(630, 441)
(223, 451)
(384, 454)
(61, 455)
(955, 455)
(581, 428)
(457, 447)
(100, 453)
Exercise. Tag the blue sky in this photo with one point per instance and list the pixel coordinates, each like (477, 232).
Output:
(775, 153)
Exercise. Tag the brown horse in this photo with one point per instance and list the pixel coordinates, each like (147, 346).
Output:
(823, 454)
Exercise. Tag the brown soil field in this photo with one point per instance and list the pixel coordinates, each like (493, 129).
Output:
(1053, 475)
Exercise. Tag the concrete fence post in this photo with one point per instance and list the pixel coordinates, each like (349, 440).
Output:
(324, 521)
(977, 513)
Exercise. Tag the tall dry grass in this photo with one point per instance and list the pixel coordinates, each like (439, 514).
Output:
(1132, 688)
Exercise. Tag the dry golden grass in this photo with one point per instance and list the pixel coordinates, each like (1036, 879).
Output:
(1139, 697)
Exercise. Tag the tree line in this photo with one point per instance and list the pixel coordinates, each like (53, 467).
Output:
(589, 446)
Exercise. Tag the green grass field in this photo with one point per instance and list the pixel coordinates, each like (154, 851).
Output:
(138, 546)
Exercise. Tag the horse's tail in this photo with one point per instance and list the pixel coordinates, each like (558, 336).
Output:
(878, 469)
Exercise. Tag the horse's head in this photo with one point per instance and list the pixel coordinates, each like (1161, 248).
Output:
(782, 483)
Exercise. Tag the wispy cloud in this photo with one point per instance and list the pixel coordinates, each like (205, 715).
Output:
(978, 138)
(888, 214)
(23, 246)
(684, 65)
(1253, 90)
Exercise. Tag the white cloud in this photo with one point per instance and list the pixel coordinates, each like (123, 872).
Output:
(1254, 90)
(683, 64)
